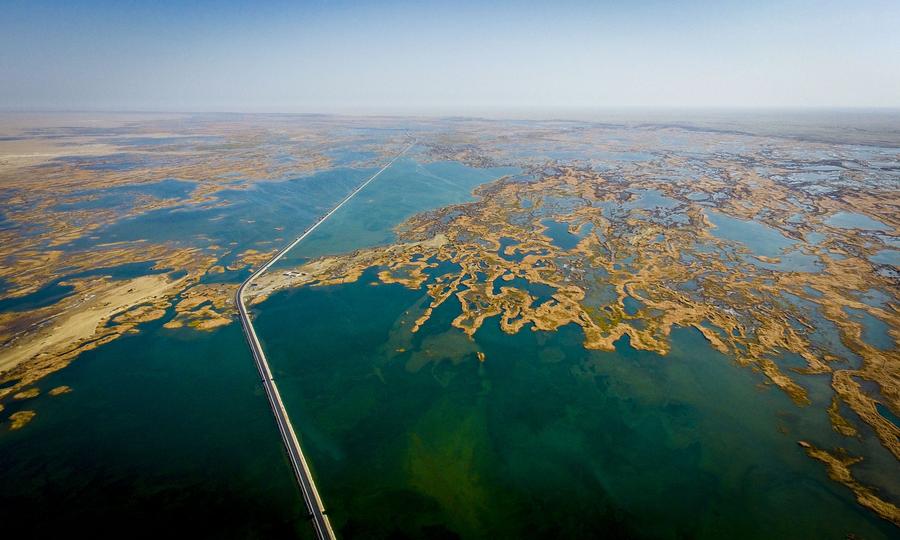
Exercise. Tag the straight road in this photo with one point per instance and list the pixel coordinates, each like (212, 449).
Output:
(311, 496)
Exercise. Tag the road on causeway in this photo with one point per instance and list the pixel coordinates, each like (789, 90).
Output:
(314, 507)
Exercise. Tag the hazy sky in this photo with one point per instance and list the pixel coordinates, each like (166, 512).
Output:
(451, 56)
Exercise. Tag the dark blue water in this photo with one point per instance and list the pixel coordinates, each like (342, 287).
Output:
(164, 431)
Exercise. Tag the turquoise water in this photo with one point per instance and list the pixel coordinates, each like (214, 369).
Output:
(346, 156)
(887, 256)
(169, 429)
(121, 196)
(875, 331)
(401, 191)
(168, 432)
(165, 430)
(559, 234)
(544, 439)
(251, 215)
(815, 237)
(850, 220)
(760, 239)
(539, 291)
(410, 435)
(651, 199)
(885, 412)
(763, 240)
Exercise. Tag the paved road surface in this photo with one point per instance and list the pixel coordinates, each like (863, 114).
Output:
(298, 461)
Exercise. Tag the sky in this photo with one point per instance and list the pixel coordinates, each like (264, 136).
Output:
(447, 57)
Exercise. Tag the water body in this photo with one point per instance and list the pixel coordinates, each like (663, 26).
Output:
(289, 205)
(543, 439)
(539, 291)
(851, 220)
(885, 412)
(124, 195)
(401, 191)
(763, 240)
(887, 256)
(759, 238)
(651, 199)
(164, 431)
(505, 242)
(874, 331)
(345, 156)
(56, 291)
(409, 435)
(559, 234)
(632, 306)
(168, 430)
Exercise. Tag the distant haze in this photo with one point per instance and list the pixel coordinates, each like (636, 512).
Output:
(456, 57)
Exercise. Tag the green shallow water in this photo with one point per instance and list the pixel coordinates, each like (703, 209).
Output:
(409, 435)
(544, 439)
(168, 433)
